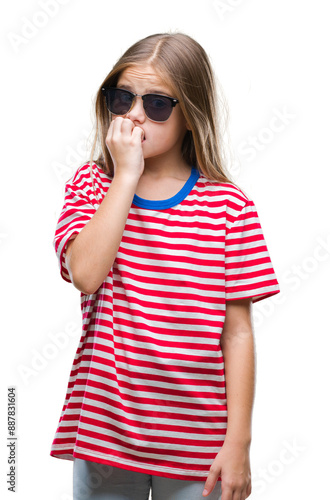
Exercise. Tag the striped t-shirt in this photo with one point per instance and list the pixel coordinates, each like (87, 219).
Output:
(147, 386)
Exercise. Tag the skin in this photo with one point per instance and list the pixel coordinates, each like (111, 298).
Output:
(150, 168)
(161, 148)
(155, 169)
(232, 463)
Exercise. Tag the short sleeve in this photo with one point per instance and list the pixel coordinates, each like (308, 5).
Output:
(78, 209)
(248, 269)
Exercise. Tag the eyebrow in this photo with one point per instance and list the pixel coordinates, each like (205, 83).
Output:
(151, 90)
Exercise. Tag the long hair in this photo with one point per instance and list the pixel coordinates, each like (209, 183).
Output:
(184, 65)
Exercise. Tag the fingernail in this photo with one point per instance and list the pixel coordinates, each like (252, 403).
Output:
(205, 492)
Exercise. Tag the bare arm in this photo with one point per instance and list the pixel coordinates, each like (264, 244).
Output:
(238, 350)
(232, 462)
(90, 255)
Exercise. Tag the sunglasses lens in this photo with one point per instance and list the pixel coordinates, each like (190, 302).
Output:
(157, 108)
(119, 102)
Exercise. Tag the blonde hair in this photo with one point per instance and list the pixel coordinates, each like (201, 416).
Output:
(184, 65)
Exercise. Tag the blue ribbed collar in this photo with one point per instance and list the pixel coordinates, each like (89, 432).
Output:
(170, 202)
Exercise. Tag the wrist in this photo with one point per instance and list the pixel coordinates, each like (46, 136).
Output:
(128, 179)
(243, 441)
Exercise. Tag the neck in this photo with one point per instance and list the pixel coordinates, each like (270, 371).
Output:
(158, 167)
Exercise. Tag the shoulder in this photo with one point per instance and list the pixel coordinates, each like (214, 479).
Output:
(226, 194)
(90, 179)
(86, 172)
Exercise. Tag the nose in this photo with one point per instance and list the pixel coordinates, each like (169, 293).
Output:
(137, 111)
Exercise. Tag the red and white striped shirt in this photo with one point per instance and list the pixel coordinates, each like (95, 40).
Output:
(147, 387)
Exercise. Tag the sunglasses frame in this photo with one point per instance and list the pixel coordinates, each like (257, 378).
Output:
(173, 101)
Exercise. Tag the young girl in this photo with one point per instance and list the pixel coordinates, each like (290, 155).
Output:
(168, 255)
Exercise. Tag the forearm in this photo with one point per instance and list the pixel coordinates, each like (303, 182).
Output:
(239, 359)
(232, 462)
(93, 251)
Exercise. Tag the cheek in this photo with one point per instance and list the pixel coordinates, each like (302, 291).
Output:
(169, 131)
(164, 137)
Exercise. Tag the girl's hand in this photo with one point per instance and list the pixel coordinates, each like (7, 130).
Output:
(232, 463)
(124, 142)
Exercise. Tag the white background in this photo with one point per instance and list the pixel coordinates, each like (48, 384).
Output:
(272, 59)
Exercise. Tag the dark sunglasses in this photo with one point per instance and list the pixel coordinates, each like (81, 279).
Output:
(158, 108)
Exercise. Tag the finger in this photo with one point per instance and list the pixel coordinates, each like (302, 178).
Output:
(109, 136)
(227, 492)
(116, 123)
(246, 492)
(118, 128)
(237, 495)
(112, 127)
(138, 132)
(126, 124)
(210, 483)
